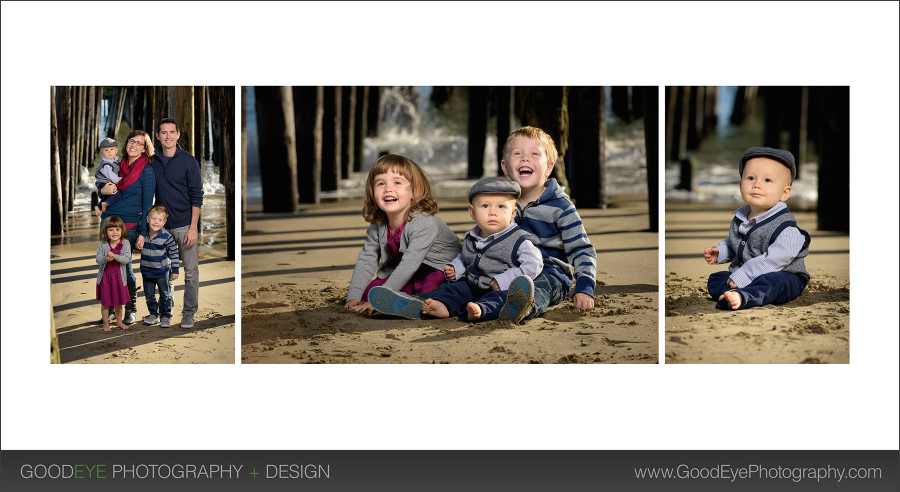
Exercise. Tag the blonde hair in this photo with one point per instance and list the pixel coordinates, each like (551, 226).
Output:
(148, 144)
(111, 221)
(158, 209)
(422, 198)
(534, 134)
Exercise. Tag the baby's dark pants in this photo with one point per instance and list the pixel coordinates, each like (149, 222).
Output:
(456, 295)
(769, 288)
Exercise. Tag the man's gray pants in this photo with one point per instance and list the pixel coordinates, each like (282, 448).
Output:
(188, 259)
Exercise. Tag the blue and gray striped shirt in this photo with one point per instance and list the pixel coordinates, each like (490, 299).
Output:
(160, 254)
(561, 238)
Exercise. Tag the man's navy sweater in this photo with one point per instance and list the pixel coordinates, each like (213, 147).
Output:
(178, 186)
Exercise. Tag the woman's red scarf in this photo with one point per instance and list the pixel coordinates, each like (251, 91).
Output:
(131, 172)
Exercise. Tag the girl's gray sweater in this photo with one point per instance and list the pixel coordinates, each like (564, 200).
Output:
(425, 239)
(123, 258)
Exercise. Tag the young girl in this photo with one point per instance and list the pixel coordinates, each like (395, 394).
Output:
(113, 253)
(406, 245)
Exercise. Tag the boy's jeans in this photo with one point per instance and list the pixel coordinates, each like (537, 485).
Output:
(164, 307)
(548, 291)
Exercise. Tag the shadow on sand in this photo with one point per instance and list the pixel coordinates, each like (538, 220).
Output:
(88, 339)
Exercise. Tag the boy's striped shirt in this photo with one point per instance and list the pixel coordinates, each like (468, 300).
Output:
(561, 238)
(160, 254)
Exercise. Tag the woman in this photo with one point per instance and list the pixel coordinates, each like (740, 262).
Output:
(138, 185)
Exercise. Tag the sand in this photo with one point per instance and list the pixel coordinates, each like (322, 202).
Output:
(76, 313)
(812, 329)
(296, 269)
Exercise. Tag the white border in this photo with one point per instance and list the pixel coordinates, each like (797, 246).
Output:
(851, 406)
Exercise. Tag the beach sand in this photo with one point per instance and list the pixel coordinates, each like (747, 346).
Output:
(296, 269)
(814, 328)
(73, 274)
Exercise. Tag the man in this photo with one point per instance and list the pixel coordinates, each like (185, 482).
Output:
(179, 188)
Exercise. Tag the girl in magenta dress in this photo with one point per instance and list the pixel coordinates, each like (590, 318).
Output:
(425, 279)
(113, 254)
(407, 245)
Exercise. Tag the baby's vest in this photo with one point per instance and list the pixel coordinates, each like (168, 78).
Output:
(494, 258)
(757, 240)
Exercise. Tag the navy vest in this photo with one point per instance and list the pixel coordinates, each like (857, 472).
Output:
(757, 240)
(494, 258)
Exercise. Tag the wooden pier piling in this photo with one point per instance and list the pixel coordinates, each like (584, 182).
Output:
(309, 111)
(587, 108)
(477, 130)
(277, 148)
(331, 139)
(650, 102)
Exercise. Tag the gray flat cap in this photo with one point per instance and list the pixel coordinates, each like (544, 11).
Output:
(108, 142)
(779, 155)
(495, 185)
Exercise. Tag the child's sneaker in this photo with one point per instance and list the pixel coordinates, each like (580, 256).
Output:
(519, 300)
(187, 322)
(151, 319)
(165, 322)
(387, 301)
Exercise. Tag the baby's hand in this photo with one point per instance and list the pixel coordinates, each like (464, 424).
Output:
(494, 284)
(173, 276)
(450, 272)
(732, 284)
(583, 301)
(711, 255)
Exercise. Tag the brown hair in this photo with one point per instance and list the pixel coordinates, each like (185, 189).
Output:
(534, 134)
(112, 221)
(166, 121)
(159, 209)
(422, 198)
(148, 144)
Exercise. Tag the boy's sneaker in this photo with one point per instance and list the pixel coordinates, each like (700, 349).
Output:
(519, 300)
(165, 322)
(387, 301)
(151, 319)
(187, 322)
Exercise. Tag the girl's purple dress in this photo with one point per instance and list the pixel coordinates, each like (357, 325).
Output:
(426, 278)
(110, 290)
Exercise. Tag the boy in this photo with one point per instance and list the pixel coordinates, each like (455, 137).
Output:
(496, 255)
(765, 246)
(107, 172)
(159, 263)
(544, 210)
